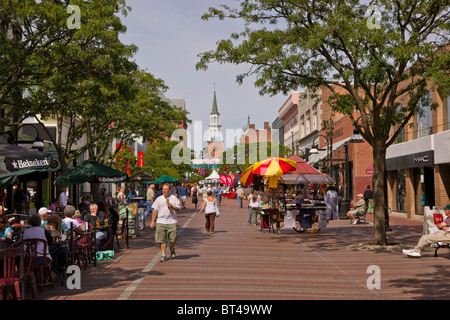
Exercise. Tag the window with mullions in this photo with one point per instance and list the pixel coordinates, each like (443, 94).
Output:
(424, 116)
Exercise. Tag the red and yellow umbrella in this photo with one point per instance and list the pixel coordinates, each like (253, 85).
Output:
(247, 177)
(274, 167)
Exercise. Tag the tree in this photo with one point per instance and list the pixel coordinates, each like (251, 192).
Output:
(242, 155)
(339, 44)
(81, 77)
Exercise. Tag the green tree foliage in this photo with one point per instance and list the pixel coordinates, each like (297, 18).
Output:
(83, 77)
(299, 43)
(158, 160)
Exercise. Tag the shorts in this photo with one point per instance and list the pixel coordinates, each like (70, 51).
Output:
(166, 232)
(356, 213)
(183, 198)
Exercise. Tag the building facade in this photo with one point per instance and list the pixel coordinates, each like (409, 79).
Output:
(418, 165)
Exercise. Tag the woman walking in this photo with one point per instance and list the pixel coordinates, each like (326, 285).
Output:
(194, 195)
(210, 212)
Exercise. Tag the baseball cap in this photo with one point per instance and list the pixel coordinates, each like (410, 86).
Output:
(43, 211)
(360, 195)
(447, 207)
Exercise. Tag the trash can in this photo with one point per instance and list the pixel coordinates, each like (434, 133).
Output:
(344, 207)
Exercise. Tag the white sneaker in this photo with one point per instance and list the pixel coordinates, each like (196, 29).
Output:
(411, 253)
(355, 222)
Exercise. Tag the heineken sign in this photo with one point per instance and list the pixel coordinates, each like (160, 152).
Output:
(15, 164)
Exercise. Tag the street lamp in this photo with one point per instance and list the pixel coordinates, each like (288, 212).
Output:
(315, 149)
(38, 143)
(345, 203)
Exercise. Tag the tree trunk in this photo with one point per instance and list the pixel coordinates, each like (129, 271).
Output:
(379, 167)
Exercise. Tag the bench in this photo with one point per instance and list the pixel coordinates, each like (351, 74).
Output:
(440, 245)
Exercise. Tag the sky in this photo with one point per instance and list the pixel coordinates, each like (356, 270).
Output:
(170, 34)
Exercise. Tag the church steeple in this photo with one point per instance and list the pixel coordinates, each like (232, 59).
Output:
(215, 128)
(215, 110)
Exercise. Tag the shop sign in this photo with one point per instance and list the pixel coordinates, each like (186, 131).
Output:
(416, 160)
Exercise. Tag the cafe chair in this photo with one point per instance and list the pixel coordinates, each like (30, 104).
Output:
(85, 247)
(123, 232)
(11, 277)
(43, 271)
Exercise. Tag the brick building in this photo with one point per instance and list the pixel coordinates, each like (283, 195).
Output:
(418, 165)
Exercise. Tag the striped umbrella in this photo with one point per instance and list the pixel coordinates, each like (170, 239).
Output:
(247, 177)
(274, 167)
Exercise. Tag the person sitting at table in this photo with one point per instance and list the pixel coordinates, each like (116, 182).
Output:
(69, 213)
(43, 212)
(97, 219)
(5, 229)
(58, 250)
(53, 205)
(78, 216)
(36, 232)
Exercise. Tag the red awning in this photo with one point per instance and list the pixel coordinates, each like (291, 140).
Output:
(369, 169)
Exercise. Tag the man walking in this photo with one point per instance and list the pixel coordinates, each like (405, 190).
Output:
(182, 194)
(165, 208)
(218, 192)
(240, 195)
(150, 198)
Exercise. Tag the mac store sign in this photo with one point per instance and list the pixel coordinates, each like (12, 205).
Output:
(415, 160)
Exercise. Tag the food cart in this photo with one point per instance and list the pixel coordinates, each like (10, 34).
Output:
(300, 210)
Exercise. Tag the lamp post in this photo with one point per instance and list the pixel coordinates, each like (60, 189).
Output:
(315, 150)
(345, 203)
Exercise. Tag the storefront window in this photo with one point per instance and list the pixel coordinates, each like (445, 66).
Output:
(401, 199)
(424, 117)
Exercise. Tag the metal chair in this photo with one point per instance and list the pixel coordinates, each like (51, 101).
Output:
(123, 232)
(10, 273)
(34, 249)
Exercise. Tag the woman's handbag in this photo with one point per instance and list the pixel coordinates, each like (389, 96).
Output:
(217, 208)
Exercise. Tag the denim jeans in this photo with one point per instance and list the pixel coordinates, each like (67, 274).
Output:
(149, 206)
(239, 201)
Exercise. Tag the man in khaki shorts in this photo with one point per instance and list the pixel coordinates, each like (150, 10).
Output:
(165, 208)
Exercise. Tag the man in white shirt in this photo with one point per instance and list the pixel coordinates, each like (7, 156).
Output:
(165, 208)
(63, 198)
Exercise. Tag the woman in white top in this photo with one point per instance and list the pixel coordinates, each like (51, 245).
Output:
(210, 212)
(255, 204)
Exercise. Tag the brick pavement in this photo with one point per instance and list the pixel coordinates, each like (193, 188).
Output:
(239, 262)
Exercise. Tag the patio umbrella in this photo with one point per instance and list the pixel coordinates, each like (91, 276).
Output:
(142, 176)
(272, 167)
(91, 171)
(247, 177)
(165, 178)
